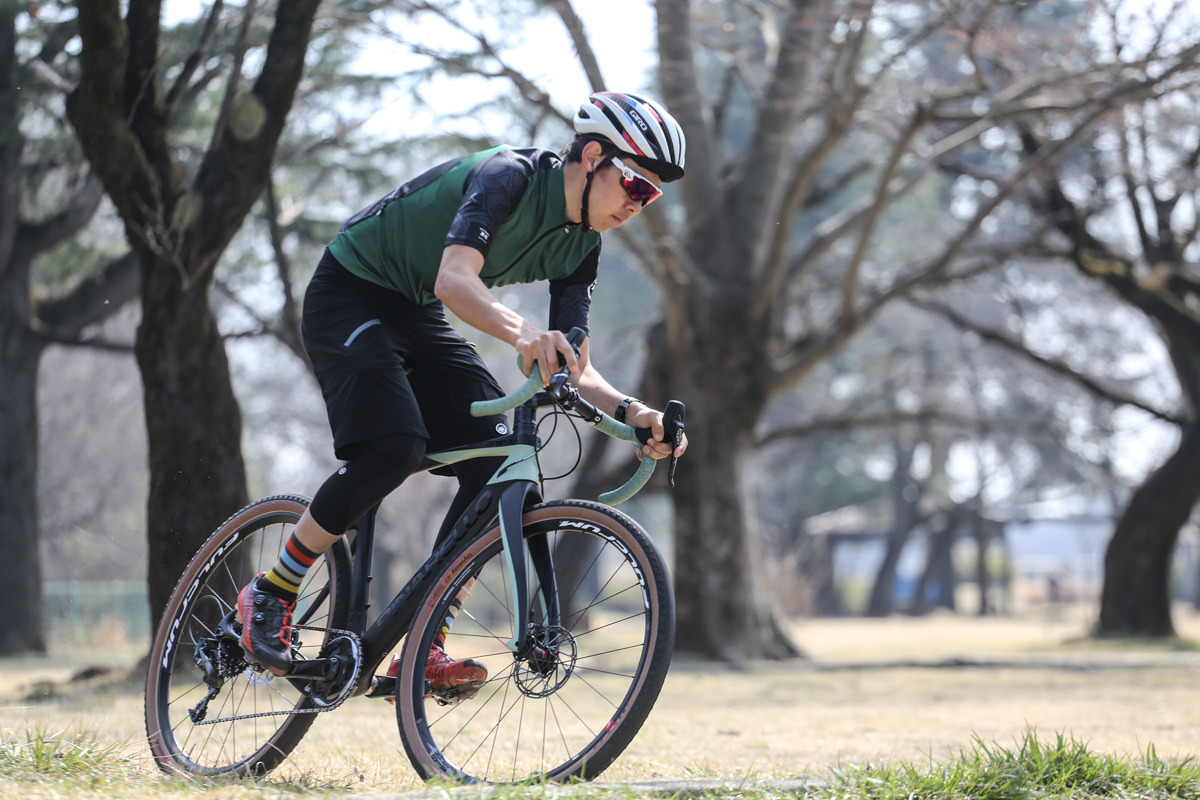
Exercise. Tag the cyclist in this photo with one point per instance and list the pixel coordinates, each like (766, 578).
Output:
(398, 379)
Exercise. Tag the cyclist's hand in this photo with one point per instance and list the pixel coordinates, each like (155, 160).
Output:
(655, 448)
(544, 347)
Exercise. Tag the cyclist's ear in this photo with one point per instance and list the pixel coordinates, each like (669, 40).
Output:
(592, 156)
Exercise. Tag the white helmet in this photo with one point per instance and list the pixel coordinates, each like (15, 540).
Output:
(638, 126)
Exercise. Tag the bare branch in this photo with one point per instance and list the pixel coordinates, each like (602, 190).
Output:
(871, 218)
(288, 329)
(234, 86)
(179, 90)
(91, 301)
(1054, 365)
(802, 357)
(680, 83)
(895, 417)
(579, 39)
(36, 237)
(756, 197)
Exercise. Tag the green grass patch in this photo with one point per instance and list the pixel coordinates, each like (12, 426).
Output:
(76, 758)
(1063, 767)
(44, 764)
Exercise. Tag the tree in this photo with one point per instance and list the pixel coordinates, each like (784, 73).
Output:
(814, 128)
(178, 224)
(749, 259)
(46, 197)
(1120, 212)
(1152, 175)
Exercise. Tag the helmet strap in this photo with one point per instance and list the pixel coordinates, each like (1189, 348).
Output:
(583, 211)
(587, 190)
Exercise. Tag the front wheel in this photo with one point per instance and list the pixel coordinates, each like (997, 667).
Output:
(208, 711)
(601, 632)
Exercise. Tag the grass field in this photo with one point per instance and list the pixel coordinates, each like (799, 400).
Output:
(871, 692)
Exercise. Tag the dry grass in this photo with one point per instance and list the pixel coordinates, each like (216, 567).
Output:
(769, 721)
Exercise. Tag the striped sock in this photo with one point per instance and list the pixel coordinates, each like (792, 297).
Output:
(289, 571)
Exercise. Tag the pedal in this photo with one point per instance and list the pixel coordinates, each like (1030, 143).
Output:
(452, 697)
(383, 686)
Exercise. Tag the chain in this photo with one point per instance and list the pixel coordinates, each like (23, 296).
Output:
(356, 647)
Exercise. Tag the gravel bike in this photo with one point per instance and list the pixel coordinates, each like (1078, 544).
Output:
(567, 603)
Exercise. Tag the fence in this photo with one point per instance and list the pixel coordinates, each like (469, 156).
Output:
(106, 614)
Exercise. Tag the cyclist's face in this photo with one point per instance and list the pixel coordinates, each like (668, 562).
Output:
(610, 205)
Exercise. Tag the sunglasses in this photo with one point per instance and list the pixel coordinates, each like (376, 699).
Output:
(637, 187)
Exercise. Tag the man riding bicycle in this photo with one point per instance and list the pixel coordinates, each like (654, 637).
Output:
(399, 380)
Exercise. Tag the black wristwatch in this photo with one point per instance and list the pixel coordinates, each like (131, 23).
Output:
(623, 407)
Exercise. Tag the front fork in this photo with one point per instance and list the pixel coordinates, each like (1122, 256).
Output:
(512, 511)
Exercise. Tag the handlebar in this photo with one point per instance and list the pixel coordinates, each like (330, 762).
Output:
(559, 392)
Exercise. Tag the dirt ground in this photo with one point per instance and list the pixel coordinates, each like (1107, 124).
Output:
(870, 690)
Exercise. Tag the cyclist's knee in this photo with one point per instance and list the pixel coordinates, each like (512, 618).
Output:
(375, 469)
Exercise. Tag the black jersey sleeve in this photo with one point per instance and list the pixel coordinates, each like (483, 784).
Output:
(571, 297)
(490, 193)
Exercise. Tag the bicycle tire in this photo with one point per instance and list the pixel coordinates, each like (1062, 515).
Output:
(585, 712)
(244, 545)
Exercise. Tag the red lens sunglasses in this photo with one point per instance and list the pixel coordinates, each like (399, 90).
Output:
(637, 187)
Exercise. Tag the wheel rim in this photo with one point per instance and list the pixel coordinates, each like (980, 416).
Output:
(221, 741)
(535, 721)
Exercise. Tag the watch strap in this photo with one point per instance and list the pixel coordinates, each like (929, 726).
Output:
(623, 408)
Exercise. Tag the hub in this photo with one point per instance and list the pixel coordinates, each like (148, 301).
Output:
(547, 662)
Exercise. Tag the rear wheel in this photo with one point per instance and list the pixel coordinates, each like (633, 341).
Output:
(569, 706)
(208, 711)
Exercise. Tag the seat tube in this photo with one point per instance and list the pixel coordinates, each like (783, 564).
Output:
(364, 540)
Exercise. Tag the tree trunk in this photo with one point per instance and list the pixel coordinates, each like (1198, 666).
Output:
(1135, 600)
(939, 570)
(20, 570)
(194, 426)
(904, 520)
(983, 577)
(722, 609)
(179, 230)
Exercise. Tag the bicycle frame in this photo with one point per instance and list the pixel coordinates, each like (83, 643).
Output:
(515, 485)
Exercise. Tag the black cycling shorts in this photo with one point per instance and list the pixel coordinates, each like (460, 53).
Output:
(388, 366)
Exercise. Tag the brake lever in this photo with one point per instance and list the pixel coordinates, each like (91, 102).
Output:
(672, 433)
(558, 382)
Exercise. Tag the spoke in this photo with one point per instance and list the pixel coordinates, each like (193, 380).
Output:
(634, 615)
(583, 573)
(607, 597)
(504, 605)
(562, 734)
(504, 677)
(583, 679)
(599, 671)
(575, 713)
(596, 602)
(494, 730)
(598, 597)
(517, 743)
